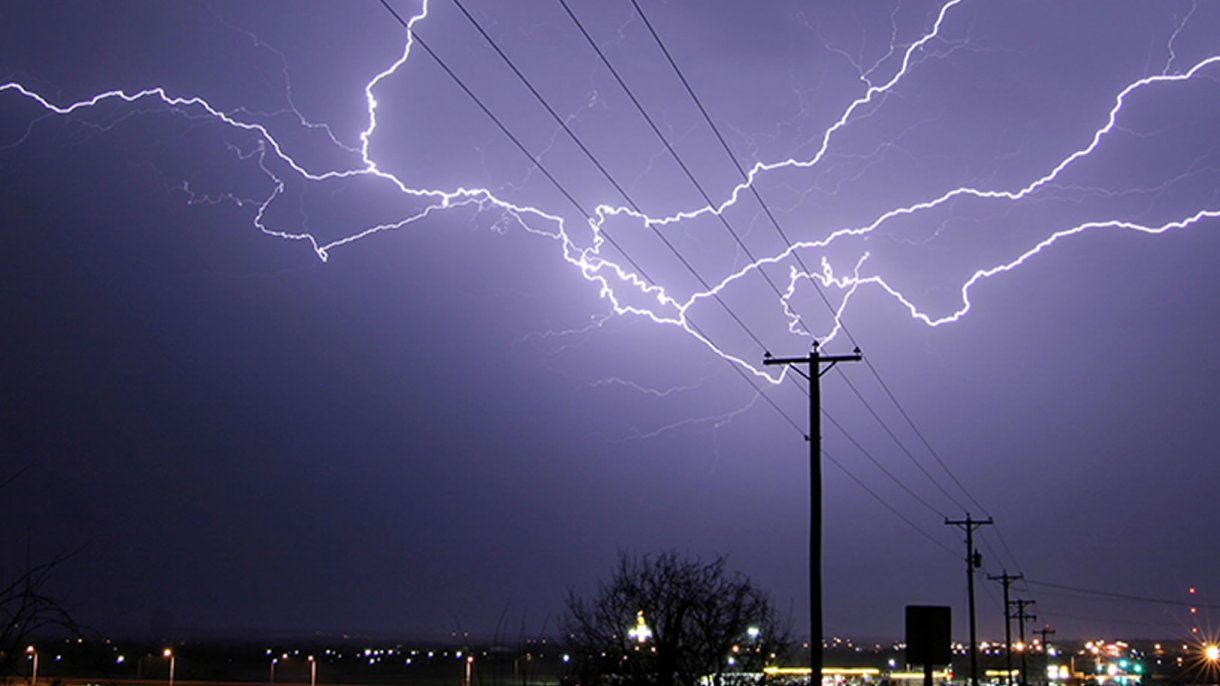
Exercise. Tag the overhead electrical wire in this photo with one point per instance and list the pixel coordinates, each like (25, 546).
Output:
(601, 168)
(820, 292)
(898, 442)
(1124, 597)
(888, 506)
(690, 175)
(575, 203)
(780, 230)
(669, 147)
(618, 187)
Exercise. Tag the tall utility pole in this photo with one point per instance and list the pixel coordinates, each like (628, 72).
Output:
(815, 360)
(1046, 632)
(973, 560)
(1007, 580)
(1021, 616)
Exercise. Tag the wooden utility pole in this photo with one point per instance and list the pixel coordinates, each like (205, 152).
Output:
(1007, 580)
(814, 362)
(1021, 616)
(973, 560)
(1046, 632)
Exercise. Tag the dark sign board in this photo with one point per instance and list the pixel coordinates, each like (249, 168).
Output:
(928, 639)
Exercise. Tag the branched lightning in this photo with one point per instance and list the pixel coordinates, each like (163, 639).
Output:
(622, 284)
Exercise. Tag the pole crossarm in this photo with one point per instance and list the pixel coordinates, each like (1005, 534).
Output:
(832, 359)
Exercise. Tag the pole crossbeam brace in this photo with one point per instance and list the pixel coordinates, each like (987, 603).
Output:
(815, 360)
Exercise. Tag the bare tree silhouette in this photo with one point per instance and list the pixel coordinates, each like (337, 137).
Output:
(668, 620)
(28, 608)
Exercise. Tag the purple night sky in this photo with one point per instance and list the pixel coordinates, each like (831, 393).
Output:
(296, 339)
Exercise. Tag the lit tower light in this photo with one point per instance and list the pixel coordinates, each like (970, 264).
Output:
(640, 632)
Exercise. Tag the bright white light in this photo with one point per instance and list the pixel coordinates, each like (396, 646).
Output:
(640, 632)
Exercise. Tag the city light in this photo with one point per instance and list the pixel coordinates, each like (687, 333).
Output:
(169, 654)
(29, 650)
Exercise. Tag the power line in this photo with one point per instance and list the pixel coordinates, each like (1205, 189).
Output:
(1121, 596)
(601, 168)
(1055, 614)
(922, 438)
(821, 294)
(580, 208)
(551, 177)
(673, 153)
(690, 175)
(796, 256)
(868, 455)
(887, 505)
(525, 151)
(729, 151)
(877, 463)
(899, 443)
(617, 186)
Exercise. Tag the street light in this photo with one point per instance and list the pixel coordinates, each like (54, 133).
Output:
(313, 671)
(29, 650)
(169, 653)
(273, 661)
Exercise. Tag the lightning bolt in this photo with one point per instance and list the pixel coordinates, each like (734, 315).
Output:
(582, 241)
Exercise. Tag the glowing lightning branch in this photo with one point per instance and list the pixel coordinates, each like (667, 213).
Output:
(966, 191)
(626, 291)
